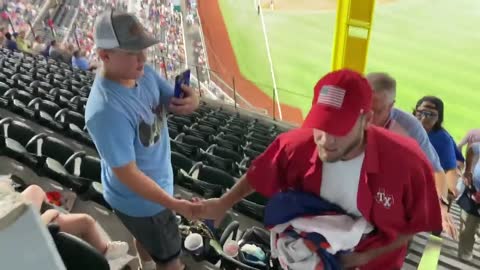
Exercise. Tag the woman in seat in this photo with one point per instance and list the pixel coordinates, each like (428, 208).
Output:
(80, 225)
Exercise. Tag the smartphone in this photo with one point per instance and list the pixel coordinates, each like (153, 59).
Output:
(180, 79)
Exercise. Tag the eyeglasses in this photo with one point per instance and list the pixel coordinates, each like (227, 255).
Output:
(426, 114)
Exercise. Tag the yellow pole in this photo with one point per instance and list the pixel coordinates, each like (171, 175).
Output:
(352, 34)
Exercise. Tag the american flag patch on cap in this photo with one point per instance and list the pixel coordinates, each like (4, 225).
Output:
(331, 95)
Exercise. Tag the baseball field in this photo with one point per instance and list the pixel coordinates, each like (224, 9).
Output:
(430, 47)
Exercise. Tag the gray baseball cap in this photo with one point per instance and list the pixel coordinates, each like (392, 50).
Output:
(121, 30)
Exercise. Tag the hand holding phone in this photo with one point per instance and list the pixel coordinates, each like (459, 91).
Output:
(181, 79)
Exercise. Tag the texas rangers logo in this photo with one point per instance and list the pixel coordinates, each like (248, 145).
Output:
(383, 198)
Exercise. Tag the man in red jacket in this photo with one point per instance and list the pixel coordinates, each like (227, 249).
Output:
(368, 171)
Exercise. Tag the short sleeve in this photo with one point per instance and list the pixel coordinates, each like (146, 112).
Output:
(165, 88)
(113, 136)
(446, 153)
(422, 205)
(267, 172)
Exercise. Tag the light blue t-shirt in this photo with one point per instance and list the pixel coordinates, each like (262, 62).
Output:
(406, 124)
(129, 124)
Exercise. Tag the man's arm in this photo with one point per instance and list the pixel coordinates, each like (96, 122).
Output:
(145, 187)
(239, 191)
(466, 139)
(267, 175)
(217, 208)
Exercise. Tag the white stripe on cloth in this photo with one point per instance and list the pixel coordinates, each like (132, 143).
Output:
(341, 231)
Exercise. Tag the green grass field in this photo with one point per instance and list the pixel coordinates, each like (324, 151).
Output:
(430, 47)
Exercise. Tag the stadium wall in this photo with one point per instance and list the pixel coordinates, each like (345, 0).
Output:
(222, 60)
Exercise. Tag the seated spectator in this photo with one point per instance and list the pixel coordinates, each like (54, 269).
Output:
(22, 43)
(10, 43)
(80, 225)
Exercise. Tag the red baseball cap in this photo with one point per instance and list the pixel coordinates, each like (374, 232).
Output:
(340, 97)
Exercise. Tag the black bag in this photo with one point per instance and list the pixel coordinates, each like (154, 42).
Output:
(467, 203)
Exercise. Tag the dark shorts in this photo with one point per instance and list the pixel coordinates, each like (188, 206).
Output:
(159, 234)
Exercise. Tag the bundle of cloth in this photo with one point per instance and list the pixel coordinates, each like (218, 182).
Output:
(308, 232)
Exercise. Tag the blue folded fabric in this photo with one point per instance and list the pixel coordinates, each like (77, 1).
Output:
(286, 206)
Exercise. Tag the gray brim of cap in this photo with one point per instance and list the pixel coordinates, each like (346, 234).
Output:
(139, 44)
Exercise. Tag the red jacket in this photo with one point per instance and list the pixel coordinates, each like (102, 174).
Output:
(396, 191)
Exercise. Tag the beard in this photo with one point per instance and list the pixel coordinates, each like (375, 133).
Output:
(344, 154)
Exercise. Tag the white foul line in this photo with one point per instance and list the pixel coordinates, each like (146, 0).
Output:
(270, 61)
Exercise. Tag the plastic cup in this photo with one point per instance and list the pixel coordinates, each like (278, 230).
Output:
(194, 243)
(230, 248)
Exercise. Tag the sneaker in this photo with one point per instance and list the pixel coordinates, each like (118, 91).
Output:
(466, 257)
(116, 249)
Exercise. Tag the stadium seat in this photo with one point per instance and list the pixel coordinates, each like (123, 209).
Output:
(252, 154)
(192, 140)
(220, 140)
(252, 206)
(69, 118)
(41, 85)
(180, 121)
(224, 153)
(185, 149)
(44, 110)
(202, 132)
(3, 88)
(56, 92)
(255, 139)
(16, 130)
(21, 80)
(210, 122)
(52, 154)
(84, 166)
(224, 164)
(23, 96)
(172, 132)
(8, 72)
(256, 147)
(180, 162)
(3, 78)
(206, 181)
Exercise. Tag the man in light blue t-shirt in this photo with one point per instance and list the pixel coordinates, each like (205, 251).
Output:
(385, 115)
(126, 118)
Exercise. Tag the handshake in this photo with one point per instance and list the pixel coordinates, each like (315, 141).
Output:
(214, 209)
